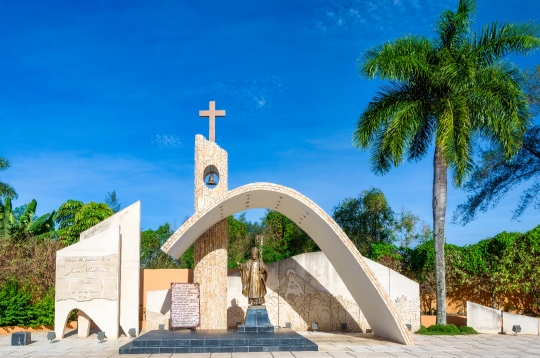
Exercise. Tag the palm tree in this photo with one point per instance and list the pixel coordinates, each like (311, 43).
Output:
(446, 91)
(6, 190)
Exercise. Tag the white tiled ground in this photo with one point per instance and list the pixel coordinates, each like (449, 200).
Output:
(330, 345)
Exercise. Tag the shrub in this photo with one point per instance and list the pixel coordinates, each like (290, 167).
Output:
(443, 328)
(17, 307)
(42, 311)
(14, 304)
(467, 330)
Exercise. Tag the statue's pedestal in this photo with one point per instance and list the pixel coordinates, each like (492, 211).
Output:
(257, 321)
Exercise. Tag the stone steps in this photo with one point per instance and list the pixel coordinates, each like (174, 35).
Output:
(213, 341)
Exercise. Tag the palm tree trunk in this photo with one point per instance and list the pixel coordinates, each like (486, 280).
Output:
(439, 216)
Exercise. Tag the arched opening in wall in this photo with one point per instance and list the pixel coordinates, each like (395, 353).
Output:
(80, 324)
(211, 176)
(71, 326)
(298, 292)
(275, 235)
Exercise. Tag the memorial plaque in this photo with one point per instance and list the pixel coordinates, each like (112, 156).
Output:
(85, 278)
(185, 305)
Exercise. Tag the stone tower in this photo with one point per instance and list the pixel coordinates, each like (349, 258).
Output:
(211, 247)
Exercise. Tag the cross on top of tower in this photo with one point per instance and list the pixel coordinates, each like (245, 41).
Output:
(212, 113)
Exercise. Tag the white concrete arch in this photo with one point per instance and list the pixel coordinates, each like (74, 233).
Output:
(370, 296)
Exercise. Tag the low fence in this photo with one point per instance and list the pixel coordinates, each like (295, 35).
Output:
(457, 298)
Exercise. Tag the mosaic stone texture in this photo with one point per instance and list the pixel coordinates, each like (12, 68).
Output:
(211, 274)
(211, 248)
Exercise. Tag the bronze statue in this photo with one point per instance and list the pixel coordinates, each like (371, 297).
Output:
(254, 273)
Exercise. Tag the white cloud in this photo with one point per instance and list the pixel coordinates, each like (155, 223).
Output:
(366, 19)
(260, 102)
(167, 141)
(247, 97)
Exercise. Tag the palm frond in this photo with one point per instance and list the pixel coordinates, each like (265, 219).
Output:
(422, 139)
(497, 40)
(401, 130)
(381, 109)
(397, 60)
(380, 161)
(458, 148)
(455, 70)
(453, 27)
(500, 107)
(391, 123)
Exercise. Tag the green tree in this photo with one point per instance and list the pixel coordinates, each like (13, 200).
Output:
(151, 255)
(73, 217)
(6, 190)
(240, 238)
(367, 220)
(446, 91)
(407, 230)
(112, 201)
(283, 238)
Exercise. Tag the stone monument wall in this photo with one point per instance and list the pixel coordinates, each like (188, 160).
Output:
(99, 276)
(87, 279)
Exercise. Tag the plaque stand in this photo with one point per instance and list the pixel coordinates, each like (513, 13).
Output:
(257, 321)
(185, 306)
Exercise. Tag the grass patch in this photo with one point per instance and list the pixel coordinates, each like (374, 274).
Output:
(445, 330)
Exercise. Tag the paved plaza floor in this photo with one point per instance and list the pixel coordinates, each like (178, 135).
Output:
(330, 345)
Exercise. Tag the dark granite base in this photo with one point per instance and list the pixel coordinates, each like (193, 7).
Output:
(257, 321)
(245, 329)
(213, 341)
(21, 338)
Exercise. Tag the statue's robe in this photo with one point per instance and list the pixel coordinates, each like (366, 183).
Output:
(254, 274)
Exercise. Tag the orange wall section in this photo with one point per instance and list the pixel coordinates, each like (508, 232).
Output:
(161, 279)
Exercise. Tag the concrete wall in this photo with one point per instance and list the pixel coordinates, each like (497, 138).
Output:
(301, 290)
(129, 222)
(488, 320)
(306, 288)
(483, 319)
(158, 308)
(529, 325)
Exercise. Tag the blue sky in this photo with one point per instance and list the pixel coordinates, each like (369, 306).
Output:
(104, 95)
